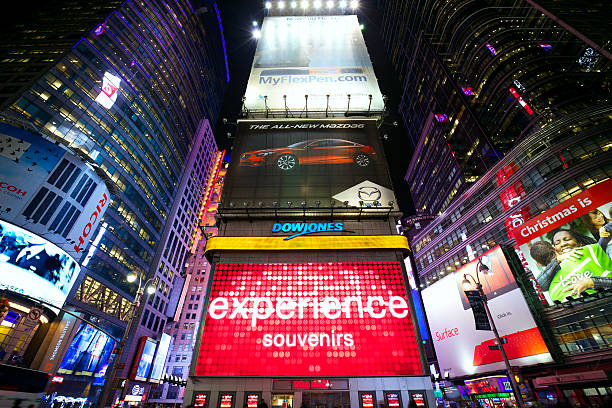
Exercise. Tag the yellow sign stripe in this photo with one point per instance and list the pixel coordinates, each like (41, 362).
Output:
(363, 242)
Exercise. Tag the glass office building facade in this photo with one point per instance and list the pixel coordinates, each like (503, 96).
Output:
(136, 95)
(507, 108)
(171, 75)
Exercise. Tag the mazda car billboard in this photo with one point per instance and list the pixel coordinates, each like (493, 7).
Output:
(460, 347)
(308, 319)
(324, 57)
(324, 161)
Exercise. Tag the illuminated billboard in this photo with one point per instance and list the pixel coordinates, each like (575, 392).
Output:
(308, 319)
(329, 161)
(143, 361)
(33, 266)
(88, 352)
(568, 248)
(324, 57)
(463, 350)
(160, 358)
(48, 190)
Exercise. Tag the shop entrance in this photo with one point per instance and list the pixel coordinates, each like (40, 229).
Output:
(326, 399)
(282, 400)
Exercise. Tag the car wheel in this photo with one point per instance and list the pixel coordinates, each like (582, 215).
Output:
(286, 162)
(362, 160)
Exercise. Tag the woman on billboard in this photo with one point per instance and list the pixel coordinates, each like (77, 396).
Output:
(601, 227)
(573, 265)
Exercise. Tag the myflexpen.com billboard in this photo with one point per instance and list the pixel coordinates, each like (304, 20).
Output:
(324, 57)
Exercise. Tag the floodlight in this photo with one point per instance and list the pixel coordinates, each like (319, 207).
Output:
(304, 4)
(354, 4)
(293, 4)
(342, 4)
(255, 24)
(268, 5)
(281, 5)
(317, 4)
(257, 35)
(330, 4)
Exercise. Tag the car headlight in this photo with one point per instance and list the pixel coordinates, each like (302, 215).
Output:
(245, 156)
(263, 154)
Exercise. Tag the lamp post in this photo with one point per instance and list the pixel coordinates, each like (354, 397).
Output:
(475, 282)
(107, 390)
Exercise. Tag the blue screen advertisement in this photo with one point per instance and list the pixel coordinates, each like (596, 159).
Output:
(160, 357)
(146, 360)
(33, 266)
(88, 352)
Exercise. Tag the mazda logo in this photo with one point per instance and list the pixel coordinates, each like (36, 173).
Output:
(367, 193)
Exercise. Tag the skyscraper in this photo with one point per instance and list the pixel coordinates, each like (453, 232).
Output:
(307, 300)
(135, 94)
(470, 95)
(507, 106)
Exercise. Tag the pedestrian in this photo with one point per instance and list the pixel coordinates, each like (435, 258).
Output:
(262, 404)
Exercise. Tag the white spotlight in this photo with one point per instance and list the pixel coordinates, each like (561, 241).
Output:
(330, 4)
(256, 33)
(354, 4)
(293, 4)
(304, 4)
(317, 4)
(281, 5)
(255, 24)
(268, 5)
(343, 4)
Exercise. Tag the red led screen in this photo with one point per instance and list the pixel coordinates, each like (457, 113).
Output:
(308, 319)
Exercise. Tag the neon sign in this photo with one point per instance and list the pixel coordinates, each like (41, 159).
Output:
(441, 117)
(108, 95)
(547, 47)
(521, 101)
(467, 90)
(303, 228)
(490, 47)
(304, 319)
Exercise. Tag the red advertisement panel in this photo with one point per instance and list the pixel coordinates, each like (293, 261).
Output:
(226, 400)
(419, 399)
(308, 319)
(367, 400)
(200, 399)
(393, 400)
(580, 204)
(252, 400)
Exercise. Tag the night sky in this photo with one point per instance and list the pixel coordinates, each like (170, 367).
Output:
(237, 17)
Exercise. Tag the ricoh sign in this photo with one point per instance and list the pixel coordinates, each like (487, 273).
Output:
(308, 319)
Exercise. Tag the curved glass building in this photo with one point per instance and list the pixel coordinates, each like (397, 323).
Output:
(130, 95)
(508, 109)
(136, 95)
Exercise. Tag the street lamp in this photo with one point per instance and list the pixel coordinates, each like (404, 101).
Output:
(469, 283)
(107, 390)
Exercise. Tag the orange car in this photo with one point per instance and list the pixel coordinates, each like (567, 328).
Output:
(318, 151)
